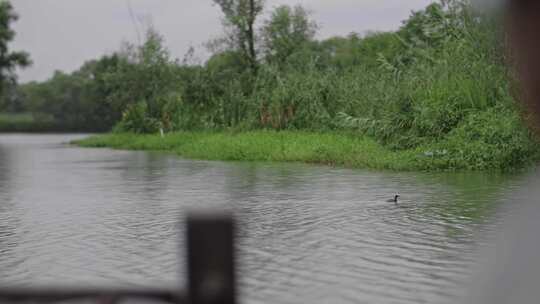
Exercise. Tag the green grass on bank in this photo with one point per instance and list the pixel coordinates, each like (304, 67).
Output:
(333, 149)
(340, 149)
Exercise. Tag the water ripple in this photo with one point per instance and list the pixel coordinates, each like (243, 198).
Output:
(307, 234)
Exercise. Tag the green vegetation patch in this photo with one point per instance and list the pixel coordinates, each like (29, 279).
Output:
(330, 148)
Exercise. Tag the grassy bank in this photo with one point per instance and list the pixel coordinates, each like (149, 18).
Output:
(340, 149)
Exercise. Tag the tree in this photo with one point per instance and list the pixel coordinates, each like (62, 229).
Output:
(240, 18)
(155, 73)
(9, 60)
(100, 89)
(287, 30)
(147, 86)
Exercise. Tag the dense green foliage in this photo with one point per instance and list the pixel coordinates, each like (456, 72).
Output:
(437, 87)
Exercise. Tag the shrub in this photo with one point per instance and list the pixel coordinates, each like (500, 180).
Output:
(135, 119)
(494, 139)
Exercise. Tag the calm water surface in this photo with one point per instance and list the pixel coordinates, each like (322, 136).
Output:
(308, 234)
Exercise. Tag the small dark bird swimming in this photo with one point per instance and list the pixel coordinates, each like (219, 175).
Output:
(393, 200)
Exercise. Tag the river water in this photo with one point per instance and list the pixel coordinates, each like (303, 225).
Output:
(307, 234)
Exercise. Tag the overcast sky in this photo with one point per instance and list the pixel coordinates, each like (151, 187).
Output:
(62, 34)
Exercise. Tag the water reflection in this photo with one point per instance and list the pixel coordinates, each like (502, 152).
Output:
(7, 229)
(307, 233)
(11, 265)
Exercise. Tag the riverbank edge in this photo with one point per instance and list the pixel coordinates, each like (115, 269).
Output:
(328, 148)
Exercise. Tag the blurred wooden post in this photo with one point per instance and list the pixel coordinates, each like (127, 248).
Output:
(211, 263)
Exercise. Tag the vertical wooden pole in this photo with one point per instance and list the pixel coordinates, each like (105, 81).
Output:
(211, 260)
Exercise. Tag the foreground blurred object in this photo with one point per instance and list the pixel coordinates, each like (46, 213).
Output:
(511, 269)
(211, 276)
(523, 23)
(211, 260)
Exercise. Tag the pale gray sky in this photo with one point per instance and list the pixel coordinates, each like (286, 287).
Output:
(62, 34)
